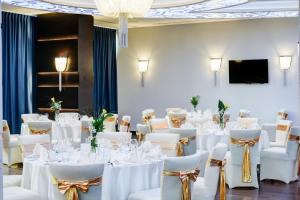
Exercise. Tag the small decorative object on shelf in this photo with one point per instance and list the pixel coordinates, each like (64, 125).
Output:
(98, 126)
(55, 107)
(221, 110)
(195, 101)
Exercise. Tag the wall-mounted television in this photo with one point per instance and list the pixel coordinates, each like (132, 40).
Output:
(248, 71)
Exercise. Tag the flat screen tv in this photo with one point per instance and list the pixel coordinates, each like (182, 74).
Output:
(248, 71)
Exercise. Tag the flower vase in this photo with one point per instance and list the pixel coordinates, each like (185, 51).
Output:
(221, 122)
(56, 114)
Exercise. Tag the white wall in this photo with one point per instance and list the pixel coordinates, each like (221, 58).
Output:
(179, 67)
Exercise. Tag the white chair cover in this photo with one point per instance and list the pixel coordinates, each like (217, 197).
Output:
(28, 142)
(29, 117)
(171, 188)
(115, 138)
(244, 113)
(282, 130)
(40, 127)
(206, 187)
(75, 173)
(166, 141)
(18, 193)
(12, 180)
(159, 125)
(110, 123)
(280, 163)
(234, 159)
(177, 119)
(190, 133)
(282, 114)
(11, 151)
(125, 123)
(248, 123)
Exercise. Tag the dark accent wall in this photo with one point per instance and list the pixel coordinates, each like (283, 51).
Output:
(65, 35)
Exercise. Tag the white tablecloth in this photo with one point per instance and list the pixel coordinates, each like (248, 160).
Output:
(118, 181)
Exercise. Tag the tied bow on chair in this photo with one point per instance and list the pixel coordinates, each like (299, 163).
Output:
(140, 136)
(221, 164)
(126, 124)
(39, 131)
(296, 139)
(148, 117)
(183, 141)
(177, 121)
(70, 189)
(283, 115)
(185, 177)
(246, 167)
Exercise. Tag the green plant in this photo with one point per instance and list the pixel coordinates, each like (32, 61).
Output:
(55, 106)
(195, 101)
(98, 126)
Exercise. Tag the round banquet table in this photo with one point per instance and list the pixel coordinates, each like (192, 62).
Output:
(117, 184)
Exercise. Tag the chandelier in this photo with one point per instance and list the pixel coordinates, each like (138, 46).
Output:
(123, 9)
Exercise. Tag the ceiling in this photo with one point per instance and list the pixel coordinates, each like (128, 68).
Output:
(166, 12)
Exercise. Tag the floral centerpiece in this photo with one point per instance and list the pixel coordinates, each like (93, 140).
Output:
(98, 126)
(222, 107)
(195, 101)
(55, 106)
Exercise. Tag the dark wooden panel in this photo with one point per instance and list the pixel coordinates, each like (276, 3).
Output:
(54, 78)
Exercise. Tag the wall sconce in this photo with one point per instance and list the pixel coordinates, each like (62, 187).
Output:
(215, 65)
(143, 67)
(61, 65)
(285, 64)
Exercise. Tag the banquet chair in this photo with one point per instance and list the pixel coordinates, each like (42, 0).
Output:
(12, 180)
(166, 141)
(282, 115)
(29, 117)
(175, 110)
(18, 193)
(68, 116)
(171, 186)
(241, 167)
(187, 141)
(110, 123)
(40, 127)
(79, 175)
(147, 115)
(11, 150)
(244, 113)
(141, 131)
(115, 138)
(28, 143)
(206, 187)
(85, 130)
(280, 163)
(159, 125)
(282, 131)
(176, 119)
(248, 123)
(125, 124)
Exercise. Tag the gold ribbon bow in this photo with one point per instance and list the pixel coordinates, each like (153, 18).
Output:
(70, 189)
(140, 136)
(183, 141)
(148, 117)
(39, 131)
(185, 178)
(281, 127)
(177, 121)
(125, 123)
(5, 128)
(221, 164)
(85, 129)
(110, 119)
(297, 139)
(246, 167)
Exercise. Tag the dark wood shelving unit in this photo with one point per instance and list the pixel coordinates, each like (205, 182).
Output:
(58, 38)
(56, 86)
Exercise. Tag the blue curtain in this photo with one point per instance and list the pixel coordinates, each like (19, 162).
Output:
(105, 71)
(18, 40)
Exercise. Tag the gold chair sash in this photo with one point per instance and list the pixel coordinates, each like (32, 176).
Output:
(281, 127)
(110, 119)
(177, 121)
(148, 117)
(140, 136)
(185, 177)
(297, 139)
(5, 128)
(284, 115)
(39, 131)
(246, 167)
(70, 189)
(85, 129)
(221, 164)
(183, 141)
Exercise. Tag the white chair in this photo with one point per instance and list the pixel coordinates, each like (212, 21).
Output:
(248, 123)
(244, 113)
(29, 117)
(12, 153)
(85, 130)
(176, 120)
(159, 125)
(141, 131)
(76, 174)
(166, 141)
(115, 138)
(237, 172)
(175, 110)
(282, 114)
(18, 193)
(271, 130)
(28, 142)
(280, 163)
(110, 123)
(171, 187)
(282, 130)
(125, 124)
(66, 116)
(40, 127)
(12, 180)
(188, 139)
(206, 187)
